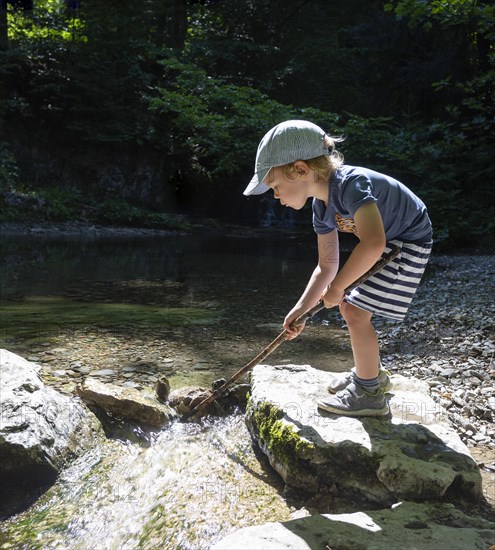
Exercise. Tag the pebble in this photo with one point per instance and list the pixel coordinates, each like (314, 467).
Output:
(131, 385)
(447, 373)
(58, 373)
(201, 366)
(103, 372)
(84, 370)
(73, 373)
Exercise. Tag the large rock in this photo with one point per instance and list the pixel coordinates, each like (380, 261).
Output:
(409, 525)
(413, 455)
(126, 403)
(41, 430)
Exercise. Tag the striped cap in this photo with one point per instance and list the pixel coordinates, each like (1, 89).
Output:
(285, 143)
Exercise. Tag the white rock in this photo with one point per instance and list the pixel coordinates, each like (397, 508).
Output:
(414, 455)
(41, 430)
(407, 525)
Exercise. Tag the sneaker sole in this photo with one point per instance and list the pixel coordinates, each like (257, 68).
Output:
(364, 412)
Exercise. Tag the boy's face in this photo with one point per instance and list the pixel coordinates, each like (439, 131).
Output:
(288, 187)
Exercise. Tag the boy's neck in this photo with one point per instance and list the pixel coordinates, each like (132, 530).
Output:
(319, 189)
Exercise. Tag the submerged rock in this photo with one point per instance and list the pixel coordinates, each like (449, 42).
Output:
(126, 403)
(413, 455)
(184, 400)
(408, 525)
(41, 430)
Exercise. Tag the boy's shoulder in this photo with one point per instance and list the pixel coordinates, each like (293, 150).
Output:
(346, 172)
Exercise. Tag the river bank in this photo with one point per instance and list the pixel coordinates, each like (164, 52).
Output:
(89, 230)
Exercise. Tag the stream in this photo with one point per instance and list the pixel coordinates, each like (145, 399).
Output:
(128, 310)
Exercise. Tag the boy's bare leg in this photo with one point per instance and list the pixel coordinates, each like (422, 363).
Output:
(363, 396)
(364, 341)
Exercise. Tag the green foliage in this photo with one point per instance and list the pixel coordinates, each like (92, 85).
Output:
(214, 122)
(60, 204)
(445, 12)
(118, 211)
(408, 83)
(48, 20)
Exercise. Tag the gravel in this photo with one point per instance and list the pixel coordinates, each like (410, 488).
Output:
(447, 339)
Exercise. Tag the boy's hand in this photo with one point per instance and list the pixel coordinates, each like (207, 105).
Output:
(295, 331)
(332, 296)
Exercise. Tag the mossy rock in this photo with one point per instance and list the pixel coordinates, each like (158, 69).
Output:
(288, 452)
(378, 460)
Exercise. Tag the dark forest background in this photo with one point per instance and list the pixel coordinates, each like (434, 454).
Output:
(149, 113)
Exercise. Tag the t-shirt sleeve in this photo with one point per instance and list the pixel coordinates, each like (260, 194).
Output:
(358, 190)
(320, 224)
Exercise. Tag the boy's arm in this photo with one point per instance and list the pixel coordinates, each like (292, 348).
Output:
(371, 244)
(323, 275)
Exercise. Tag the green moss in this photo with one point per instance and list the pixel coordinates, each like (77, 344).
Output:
(50, 314)
(287, 446)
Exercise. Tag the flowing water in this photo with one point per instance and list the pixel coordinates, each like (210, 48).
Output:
(190, 484)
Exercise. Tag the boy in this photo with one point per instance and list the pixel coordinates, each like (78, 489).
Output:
(298, 160)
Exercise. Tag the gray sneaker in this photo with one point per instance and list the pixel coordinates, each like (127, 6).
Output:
(340, 382)
(356, 401)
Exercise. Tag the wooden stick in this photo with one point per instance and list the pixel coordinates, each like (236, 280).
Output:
(385, 259)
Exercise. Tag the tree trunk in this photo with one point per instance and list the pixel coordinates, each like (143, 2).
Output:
(180, 23)
(4, 39)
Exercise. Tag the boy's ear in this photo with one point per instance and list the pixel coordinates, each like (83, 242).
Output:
(301, 167)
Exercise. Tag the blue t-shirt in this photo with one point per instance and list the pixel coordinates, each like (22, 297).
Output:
(404, 215)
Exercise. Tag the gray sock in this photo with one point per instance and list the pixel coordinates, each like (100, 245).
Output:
(369, 384)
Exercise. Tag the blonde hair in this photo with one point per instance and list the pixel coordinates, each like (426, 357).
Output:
(325, 165)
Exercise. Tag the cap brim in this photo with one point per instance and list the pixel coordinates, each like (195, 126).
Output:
(256, 185)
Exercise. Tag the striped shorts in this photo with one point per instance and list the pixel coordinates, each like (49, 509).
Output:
(389, 292)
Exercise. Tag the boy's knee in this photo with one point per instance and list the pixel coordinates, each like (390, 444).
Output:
(353, 315)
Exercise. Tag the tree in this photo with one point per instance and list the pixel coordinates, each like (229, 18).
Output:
(4, 39)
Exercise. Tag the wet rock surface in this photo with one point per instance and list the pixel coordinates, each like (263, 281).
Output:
(39, 426)
(415, 454)
(127, 403)
(406, 525)
(41, 431)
